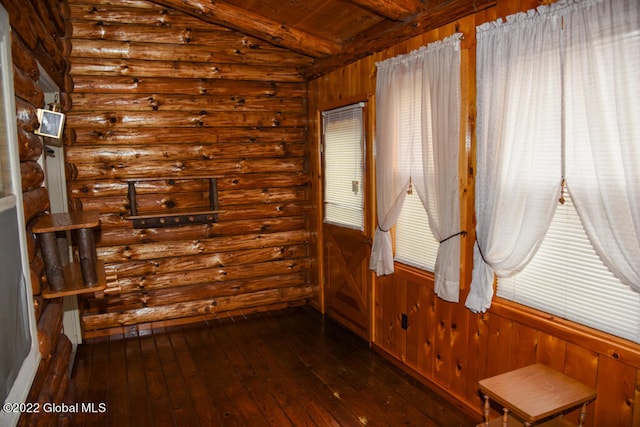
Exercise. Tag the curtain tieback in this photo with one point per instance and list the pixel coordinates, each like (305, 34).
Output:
(460, 233)
(480, 252)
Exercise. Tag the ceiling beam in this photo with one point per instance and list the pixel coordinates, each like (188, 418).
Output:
(384, 35)
(397, 10)
(253, 24)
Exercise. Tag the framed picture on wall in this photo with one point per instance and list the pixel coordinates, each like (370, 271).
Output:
(51, 123)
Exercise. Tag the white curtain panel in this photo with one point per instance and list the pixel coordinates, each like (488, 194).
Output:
(603, 129)
(438, 185)
(419, 145)
(519, 161)
(572, 112)
(392, 182)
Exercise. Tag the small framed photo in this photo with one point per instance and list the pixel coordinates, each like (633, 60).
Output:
(51, 123)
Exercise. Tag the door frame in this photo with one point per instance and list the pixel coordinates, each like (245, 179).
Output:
(53, 164)
(22, 383)
(369, 197)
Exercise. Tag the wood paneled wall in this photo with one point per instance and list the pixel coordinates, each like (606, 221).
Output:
(40, 34)
(160, 94)
(446, 345)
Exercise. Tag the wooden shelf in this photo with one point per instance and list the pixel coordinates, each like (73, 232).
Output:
(172, 213)
(173, 217)
(74, 285)
(66, 221)
(172, 178)
(87, 274)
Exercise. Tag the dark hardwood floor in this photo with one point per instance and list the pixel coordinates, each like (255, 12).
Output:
(285, 368)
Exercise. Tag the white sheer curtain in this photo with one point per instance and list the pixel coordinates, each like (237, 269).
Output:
(572, 112)
(603, 130)
(424, 136)
(519, 154)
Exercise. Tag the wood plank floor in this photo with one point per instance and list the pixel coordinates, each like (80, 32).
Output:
(285, 368)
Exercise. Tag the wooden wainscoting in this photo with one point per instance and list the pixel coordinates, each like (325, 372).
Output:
(452, 349)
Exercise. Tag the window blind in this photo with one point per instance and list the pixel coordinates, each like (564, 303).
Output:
(567, 278)
(343, 155)
(414, 241)
(415, 244)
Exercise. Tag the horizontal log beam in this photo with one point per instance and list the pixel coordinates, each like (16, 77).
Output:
(176, 119)
(107, 188)
(245, 21)
(141, 14)
(22, 57)
(196, 308)
(209, 53)
(238, 102)
(117, 235)
(188, 70)
(126, 170)
(26, 89)
(185, 86)
(396, 10)
(89, 154)
(218, 38)
(30, 145)
(35, 202)
(204, 276)
(50, 328)
(158, 297)
(220, 259)
(167, 249)
(32, 175)
(185, 136)
(278, 200)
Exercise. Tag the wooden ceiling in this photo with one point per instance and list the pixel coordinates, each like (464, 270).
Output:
(331, 32)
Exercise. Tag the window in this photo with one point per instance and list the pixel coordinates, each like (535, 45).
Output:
(415, 244)
(343, 155)
(417, 150)
(577, 284)
(557, 120)
(414, 241)
(19, 355)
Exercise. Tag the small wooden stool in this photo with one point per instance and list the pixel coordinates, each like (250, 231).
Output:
(533, 394)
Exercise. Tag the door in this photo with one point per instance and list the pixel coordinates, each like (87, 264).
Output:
(53, 165)
(346, 234)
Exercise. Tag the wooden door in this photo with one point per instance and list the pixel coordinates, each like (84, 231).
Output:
(347, 277)
(347, 245)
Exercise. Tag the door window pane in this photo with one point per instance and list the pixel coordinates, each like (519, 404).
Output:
(343, 155)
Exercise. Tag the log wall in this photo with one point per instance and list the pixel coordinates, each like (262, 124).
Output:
(160, 94)
(447, 346)
(40, 34)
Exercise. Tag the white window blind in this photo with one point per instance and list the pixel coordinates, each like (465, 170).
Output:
(343, 154)
(414, 241)
(415, 244)
(567, 278)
